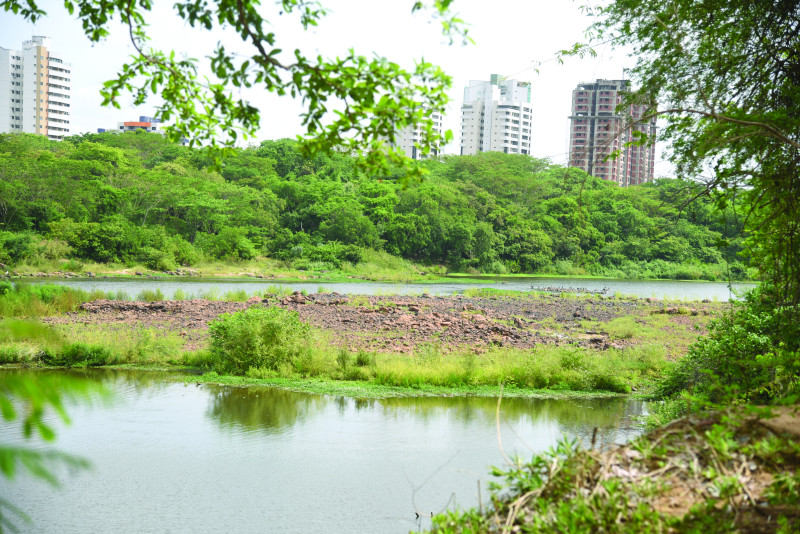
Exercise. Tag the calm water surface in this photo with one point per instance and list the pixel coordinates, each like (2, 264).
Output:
(665, 289)
(171, 457)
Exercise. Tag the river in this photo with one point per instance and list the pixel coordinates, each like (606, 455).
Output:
(663, 289)
(175, 457)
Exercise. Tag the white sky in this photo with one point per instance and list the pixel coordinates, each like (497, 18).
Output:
(511, 37)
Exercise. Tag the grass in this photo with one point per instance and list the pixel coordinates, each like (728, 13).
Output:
(149, 295)
(360, 389)
(670, 332)
(556, 369)
(26, 300)
(383, 267)
(552, 368)
(649, 341)
(375, 266)
(488, 292)
(30, 343)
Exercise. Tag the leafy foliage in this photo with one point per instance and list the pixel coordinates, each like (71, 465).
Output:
(752, 354)
(162, 206)
(258, 338)
(724, 77)
(353, 102)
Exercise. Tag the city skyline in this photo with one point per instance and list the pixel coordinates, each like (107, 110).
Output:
(516, 40)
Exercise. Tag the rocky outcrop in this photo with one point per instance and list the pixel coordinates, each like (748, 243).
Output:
(398, 323)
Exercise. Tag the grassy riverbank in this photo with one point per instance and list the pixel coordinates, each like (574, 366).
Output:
(323, 366)
(647, 342)
(375, 266)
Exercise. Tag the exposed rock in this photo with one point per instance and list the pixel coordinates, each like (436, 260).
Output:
(448, 321)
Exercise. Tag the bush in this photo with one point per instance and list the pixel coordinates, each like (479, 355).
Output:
(148, 295)
(232, 244)
(6, 287)
(258, 337)
(15, 247)
(79, 354)
(157, 260)
(751, 354)
(54, 249)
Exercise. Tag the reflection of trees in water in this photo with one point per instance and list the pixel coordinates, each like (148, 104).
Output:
(569, 413)
(274, 409)
(117, 384)
(261, 408)
(114, 379)
(344, 403)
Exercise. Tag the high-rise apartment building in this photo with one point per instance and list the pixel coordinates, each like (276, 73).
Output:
(496, 116)
(599, 129)
(35, 90)
(407, 138)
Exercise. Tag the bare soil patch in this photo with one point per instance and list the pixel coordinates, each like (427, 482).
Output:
(403, 323)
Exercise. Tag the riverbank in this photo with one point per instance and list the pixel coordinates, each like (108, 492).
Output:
(407, 324)
(456, 345)
(374, 267)
(727, 471)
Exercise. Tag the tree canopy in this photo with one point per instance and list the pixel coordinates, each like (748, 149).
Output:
(352, 102)
(725, 78)
(136, 198)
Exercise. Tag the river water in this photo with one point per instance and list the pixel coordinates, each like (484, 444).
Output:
(174, 457)
(663, 289)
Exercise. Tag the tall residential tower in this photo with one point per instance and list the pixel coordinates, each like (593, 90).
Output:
(598, 129)
(35, 90)
(496, 116)
(408, 137)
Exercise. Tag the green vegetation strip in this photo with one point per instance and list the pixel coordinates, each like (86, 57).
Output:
(151, 206)
(370, 390)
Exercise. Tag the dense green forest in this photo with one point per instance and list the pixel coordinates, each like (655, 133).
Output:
(137, 199)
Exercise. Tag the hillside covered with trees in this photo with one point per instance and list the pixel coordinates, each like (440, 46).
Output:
(138, 199)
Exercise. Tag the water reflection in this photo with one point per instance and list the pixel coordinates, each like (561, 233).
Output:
(169, 456)
(274, 410)
(267, 409)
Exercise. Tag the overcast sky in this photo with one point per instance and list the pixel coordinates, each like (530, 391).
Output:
(511, 38)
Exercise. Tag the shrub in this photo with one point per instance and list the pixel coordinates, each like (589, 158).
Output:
(6, 287)
(751, 353)
(72, 266)
(15, 247)
(258, 337)
(54, 249)
(240, 295)
(148, 295)
(79, 354)
(233, 244)
(11, 354)
(157, 260)
(364, 359)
